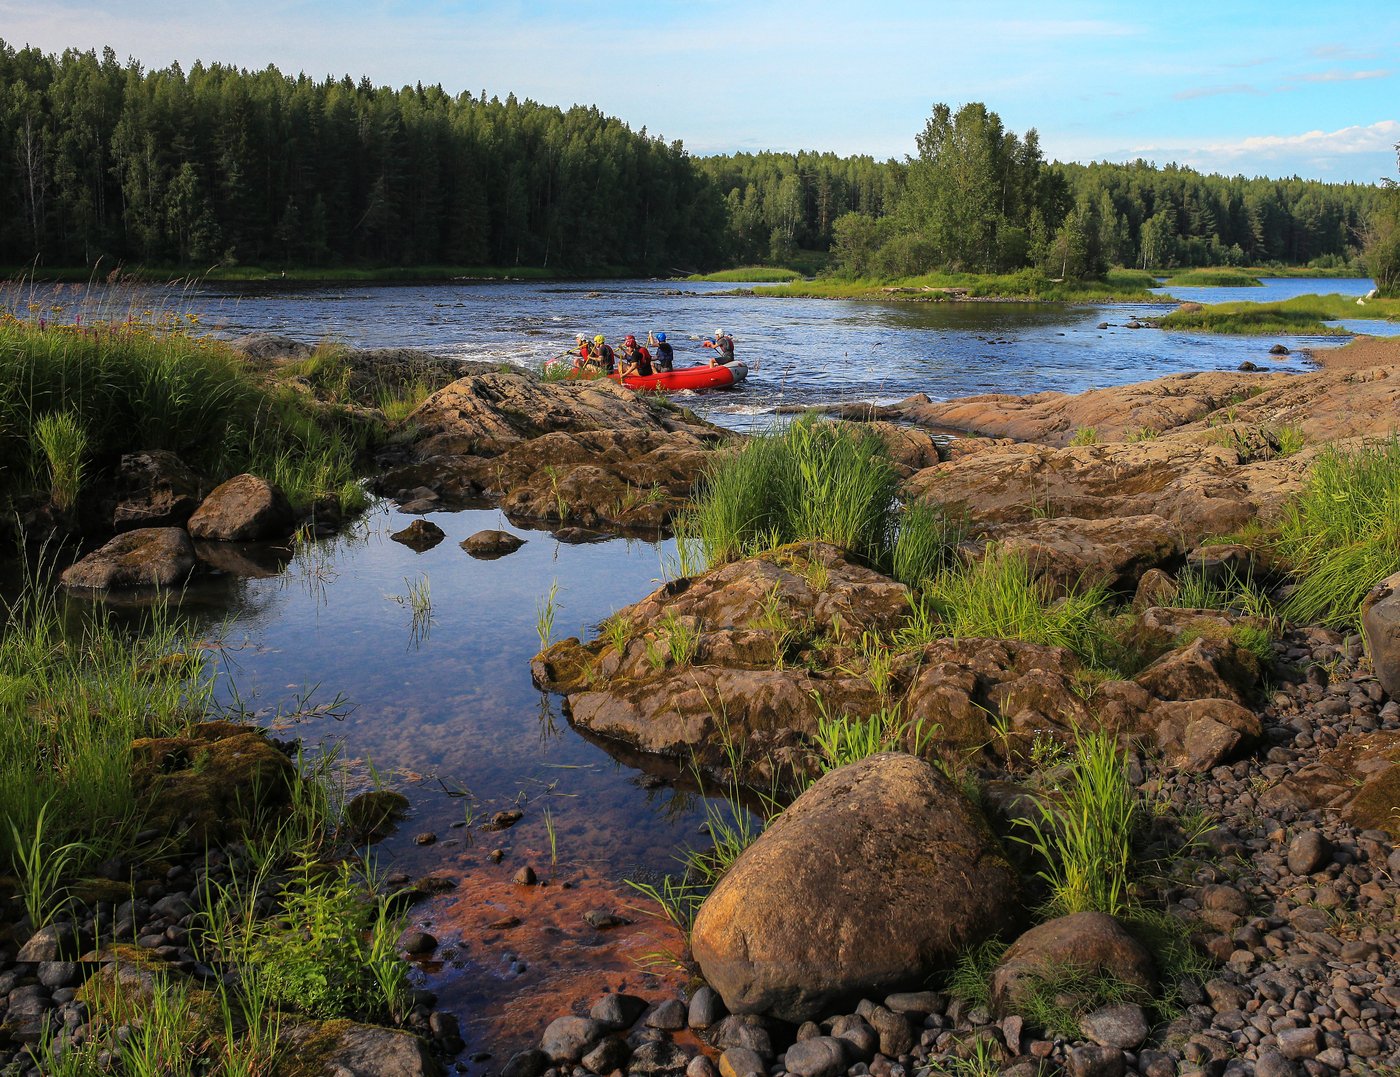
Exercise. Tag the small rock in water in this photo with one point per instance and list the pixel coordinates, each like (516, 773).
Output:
(705, 1008)
(526, 876)
(618, 1011)
(418, 942)
(601, 919)
(491, 544)
(426, 838)
(503, 820)
(420, 536)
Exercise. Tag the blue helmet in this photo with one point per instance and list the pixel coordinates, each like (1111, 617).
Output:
(660, 336)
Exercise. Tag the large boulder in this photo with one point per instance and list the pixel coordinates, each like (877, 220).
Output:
(590, 454)
(1380, 621)
(156, 489)
(160, 557)
(1090, 942)
(876, 876)
(243, 509)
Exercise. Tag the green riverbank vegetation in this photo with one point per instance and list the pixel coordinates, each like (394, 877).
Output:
(749, 273)
(74, 398)
(1304, 314)
(1213, 278)
(1032, 285)
(114, 751)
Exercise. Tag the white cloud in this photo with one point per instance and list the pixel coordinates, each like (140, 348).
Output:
(1338, 75)
(1381, 135)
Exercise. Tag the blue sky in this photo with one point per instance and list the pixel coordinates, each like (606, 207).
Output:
(1274, 89)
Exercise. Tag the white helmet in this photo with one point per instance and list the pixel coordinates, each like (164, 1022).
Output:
(719, 332)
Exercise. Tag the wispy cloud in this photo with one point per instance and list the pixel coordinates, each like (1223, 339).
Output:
(1213, 91)
(1338, 75)
(1316, 145)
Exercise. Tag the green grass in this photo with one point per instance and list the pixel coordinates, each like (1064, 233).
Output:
(61, 439)
(1341, 534)
(1028, 284)
(1085, 833)
(1304, 314)
(925, 538)
(999, 597)
(1213, 278)
(1085, 435)
(72, 699)
(128, 387)
(749, 273)
(813, 481)
(843, 740)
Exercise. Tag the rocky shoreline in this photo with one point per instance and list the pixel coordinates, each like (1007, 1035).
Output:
(1270, 779)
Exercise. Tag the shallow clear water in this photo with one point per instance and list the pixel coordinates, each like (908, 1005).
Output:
(446, 711)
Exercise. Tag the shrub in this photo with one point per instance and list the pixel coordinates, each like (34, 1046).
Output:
(925, 536)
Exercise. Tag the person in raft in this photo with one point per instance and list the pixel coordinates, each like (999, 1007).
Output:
(665, 359)
(601, 358)
(635, 359)
(723, 345)
(580, 352)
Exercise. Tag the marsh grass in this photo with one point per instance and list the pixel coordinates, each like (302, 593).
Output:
(1117, 285)
(1085, 435)
(1304, 314)
(545, 609)
(41, 868)
(1341, 535)
(74, 694)
(1086, 830)
(1214, 278)
(924, 541)
(842, 740)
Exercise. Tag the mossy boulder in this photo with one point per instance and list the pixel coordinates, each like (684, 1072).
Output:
(347, 1049)
(214, 781)
(375, 814)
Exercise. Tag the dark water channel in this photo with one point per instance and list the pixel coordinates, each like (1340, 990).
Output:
(444, 709)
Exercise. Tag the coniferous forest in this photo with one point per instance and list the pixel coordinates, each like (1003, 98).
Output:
(104, 161)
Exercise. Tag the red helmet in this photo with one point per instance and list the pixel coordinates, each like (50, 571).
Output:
(629, 339)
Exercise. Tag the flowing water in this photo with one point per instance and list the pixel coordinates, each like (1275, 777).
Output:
(443, 706)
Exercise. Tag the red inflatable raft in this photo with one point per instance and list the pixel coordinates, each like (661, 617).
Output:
(691, 377)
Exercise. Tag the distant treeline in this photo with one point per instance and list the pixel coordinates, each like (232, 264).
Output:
(218, 164)
(105, 161)
(1135, 214)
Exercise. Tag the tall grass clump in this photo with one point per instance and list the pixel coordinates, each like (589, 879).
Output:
(61, 439)
(1341, 534)
(924, 538)
(812, 481)
(1000, 597)
(843, 740)
(1086, 828)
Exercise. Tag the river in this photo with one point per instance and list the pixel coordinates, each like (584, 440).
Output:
(444, 709)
